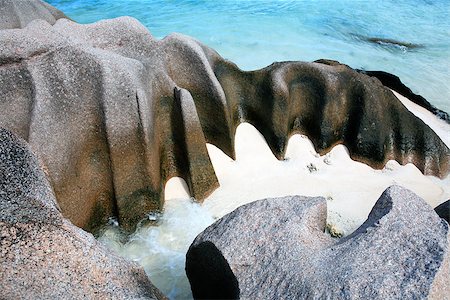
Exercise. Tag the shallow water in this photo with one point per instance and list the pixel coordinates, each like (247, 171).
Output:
(255, 33)
(161, 249)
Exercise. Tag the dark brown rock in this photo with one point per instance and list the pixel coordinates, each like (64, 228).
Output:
(394, 82)
(278, 249)
(114, 113)
(42, 254)
(391, 44)
(18, 13)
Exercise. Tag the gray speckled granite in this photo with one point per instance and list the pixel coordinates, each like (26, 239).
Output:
(43, 255)
(277, 249)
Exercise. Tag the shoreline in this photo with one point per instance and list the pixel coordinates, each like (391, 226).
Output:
(253, 156)
(351, 189)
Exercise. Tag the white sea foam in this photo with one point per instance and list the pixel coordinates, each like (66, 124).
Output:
(161, 249)
(351, 189)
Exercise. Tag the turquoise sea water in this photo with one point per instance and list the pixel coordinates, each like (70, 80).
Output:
(255, 33)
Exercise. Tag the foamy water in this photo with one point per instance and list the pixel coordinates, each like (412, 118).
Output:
(161, 249)
(351, 189)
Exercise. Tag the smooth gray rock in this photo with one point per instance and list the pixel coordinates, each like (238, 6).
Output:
(18, 13)
(42, 254)
(278, 249)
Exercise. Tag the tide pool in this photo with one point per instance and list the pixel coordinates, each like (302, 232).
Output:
(253, 34)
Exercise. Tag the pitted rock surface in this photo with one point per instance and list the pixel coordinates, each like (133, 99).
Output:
(43, 255)
(113, 113)
(278, 249)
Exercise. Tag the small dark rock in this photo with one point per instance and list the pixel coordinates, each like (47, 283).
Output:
(392, 42)
(443, 210)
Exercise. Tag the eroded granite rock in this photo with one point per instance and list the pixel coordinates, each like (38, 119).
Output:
(18, 13)
(113, 113)
(42, 254)
(278, 249)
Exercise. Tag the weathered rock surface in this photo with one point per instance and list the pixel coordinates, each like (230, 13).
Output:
(443, 210)
(278, 249)
(44, 256)
(18, 13)
(113, 113)
(394, 82)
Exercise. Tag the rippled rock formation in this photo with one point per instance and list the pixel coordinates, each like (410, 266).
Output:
(42, 254)
(18, 13)
(278, 249)
(114, 113)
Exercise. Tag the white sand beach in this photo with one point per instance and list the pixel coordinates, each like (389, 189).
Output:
(350, 187)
